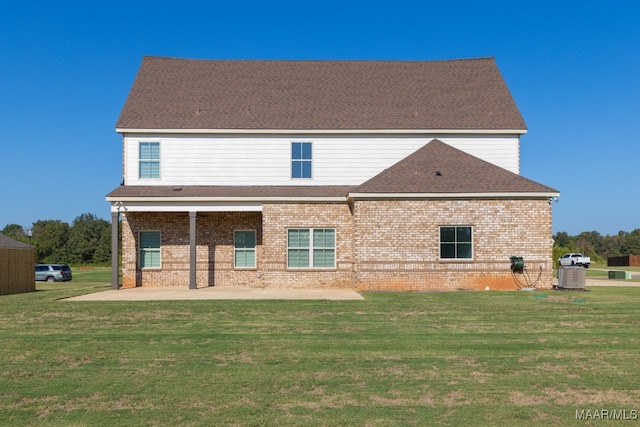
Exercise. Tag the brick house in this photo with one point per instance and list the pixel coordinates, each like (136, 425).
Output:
(373, 175)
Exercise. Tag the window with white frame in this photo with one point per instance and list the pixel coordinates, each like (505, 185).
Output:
(301, 160)
(244, 249)
(149, 242)
(149, 158)
(311, 248)
(456, 242)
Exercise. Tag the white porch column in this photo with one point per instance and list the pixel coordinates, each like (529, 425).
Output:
(192, 250)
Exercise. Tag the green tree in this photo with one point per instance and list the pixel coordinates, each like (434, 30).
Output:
(103, 251)
(86, 239)
(562, 239)
(630, 244)
(50, 239)
(16, 232)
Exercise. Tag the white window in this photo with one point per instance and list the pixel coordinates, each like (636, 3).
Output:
(311, 248)
(456, 242)
(244, 252)
(149, 242)
(301, 160)
(149, 158)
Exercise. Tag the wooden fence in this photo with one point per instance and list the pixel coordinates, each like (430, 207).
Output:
(624, 261)
(17, 270)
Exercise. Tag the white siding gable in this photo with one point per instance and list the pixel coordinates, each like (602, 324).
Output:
(265, 160)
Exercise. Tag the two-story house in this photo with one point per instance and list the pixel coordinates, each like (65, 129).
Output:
(372, 175)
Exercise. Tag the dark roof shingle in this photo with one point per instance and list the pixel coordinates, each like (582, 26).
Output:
(171, 93)
(8, 242)
(440, 168)
(231, 192)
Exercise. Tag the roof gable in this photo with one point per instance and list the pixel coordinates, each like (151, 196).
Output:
(8, 242)
(170, 93)
(440, 168)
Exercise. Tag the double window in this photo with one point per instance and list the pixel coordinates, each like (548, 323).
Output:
(311, 248)
(244, 249)
(456, 242)
(301, 160)
(149, 158)
(149, 242)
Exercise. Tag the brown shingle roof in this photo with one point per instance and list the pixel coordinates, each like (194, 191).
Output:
(170, 93)
(459, 172)
(229, 192)
(8, 242)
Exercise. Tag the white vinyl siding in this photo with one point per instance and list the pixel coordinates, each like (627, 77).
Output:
(263, 160)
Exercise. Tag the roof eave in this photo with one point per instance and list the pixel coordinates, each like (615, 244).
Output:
(497, 195)
(251, 199)
(125, 130)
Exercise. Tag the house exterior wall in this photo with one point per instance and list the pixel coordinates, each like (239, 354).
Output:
(397, 244)
(214, 249)
(279, 217)
(380, 245)
(337, 160)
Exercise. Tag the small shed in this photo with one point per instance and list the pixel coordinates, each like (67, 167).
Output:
(17, 266)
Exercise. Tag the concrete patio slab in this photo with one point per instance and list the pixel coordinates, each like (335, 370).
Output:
(218, 293)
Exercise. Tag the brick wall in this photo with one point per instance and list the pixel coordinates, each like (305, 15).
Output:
(380, 245)
(397, 244)
(278, 217)
(214, 249)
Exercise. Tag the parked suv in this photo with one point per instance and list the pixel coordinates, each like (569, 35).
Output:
(53, 272)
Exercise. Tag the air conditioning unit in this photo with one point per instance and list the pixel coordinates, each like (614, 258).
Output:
(572, 277)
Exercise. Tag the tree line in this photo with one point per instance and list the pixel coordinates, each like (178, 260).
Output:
(87, 240)
(597, 246)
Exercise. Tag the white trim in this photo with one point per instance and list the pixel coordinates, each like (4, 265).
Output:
(224, 200)
(254, 204)
(125, 207)
(323, 131)
(453, 195)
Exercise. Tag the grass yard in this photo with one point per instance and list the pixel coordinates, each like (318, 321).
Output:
(438, 358)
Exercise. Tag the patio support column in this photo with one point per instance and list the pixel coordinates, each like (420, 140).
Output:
(115, 267)
(192, 250)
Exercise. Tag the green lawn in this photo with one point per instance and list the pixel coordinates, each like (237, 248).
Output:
(437, 358)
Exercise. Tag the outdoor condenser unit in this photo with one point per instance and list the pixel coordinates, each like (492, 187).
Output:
(572, 277)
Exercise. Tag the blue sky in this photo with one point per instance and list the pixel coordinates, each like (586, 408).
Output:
(573, 68)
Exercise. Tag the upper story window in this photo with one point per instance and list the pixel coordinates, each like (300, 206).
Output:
(149, 158)
(301, 160)
(456, 242)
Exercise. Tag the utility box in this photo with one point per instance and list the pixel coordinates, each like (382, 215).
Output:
(572, 277)
(619, 274)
